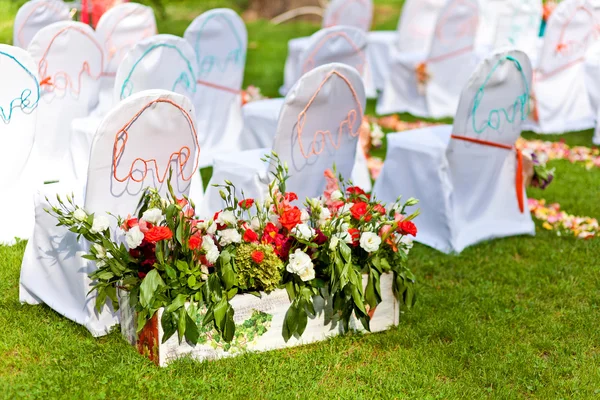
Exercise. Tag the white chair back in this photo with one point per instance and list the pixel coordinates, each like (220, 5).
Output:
(518, 25)
(138, 143)
(35, 15)
(417, 24)
(318, 126)
(570, 31)
(70, 65)
(19, 99)
(159, 62)
(356, 13)
(220, 40)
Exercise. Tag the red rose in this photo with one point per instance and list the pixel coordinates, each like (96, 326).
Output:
(246, 204)
(290, 196)
(407, 228)
(358, 210)
(282, 246)
(194, 242)
(250, 236)
(158, 233)
(355, 235)
(355, 190)
(379, 208)
(258, 256)
(290, 218)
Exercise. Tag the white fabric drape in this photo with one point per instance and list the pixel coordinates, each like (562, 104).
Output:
(152, 125)
(35, 15)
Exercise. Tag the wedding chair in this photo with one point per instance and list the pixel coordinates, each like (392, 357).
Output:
(559, 95)
(430, 86)
(414, 35)
(466, 176)
(138, 142)
(35, 15)
(318, 127)
(158, 62)
(71, 64)
(342, 44)
(19, 99)
(219, 39)
(592, 83)
(356, 13)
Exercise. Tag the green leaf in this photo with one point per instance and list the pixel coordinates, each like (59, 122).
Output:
(302, 319)
(104, 276)
(358, 301)
(191, 281)
(290, 323)
(220, 313)
(142, 318)
(191, 330)
(182, 266)
(148, 287)
(168, 324)
(177, 303)
(171, 273)
(370, 295)
(181, 323)
(229, 329)
(179, 233)
(345, 251)
(100, 298)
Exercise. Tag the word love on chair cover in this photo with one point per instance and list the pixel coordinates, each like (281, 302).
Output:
(35, 15)
(118, 30)
(430, 86)
(356, 13)
(341, 44)
(560, 100)
(414, 35)
(219, 39)
(318, 126)
(137, 144)
(19, 99)
(70, 64)
(467, 176)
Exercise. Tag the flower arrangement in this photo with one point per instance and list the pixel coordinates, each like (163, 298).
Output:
(554, 219)
(252, 93)
(165, 257)
(537, 174)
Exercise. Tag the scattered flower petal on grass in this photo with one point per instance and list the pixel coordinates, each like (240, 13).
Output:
(554, 219)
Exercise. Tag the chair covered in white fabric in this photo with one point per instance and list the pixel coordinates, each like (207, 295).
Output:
(219, 39)
(19, 99)
(448, 66)
(137, 144)
(318, 127)
(414, 35)
(592, 83)
(561, 103)
(70, 66)
(35, 15)
(340, 44)
(158, 62)
(356, 13)
(467, 177)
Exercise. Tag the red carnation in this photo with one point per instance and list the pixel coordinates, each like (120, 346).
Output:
(290, 218)
(194, 242)
(320, 238)
(158, 233)
(258, 256)
(355, 235)
(358, 210)
(250, 236)
(407, 228)
(355, 190)
(290, 196)
(129, 223)
(270, 233)
(379, 208)
(246, 204)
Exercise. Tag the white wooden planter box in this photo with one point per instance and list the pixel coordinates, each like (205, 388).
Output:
(259, 323)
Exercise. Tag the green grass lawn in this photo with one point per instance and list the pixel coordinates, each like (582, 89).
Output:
(512, 318)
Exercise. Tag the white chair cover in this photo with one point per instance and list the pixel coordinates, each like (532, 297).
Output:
(118, 30)
(341, 44)
(468, 186)
(158, 62)
(561, 103)
(136, 145)
(449, 65)
(318, 127)
(219, 39)
(592, 83)
(517, 25)
(35, 15)
(414, 35)
(70, 64)
(356, 13)
(19, 99)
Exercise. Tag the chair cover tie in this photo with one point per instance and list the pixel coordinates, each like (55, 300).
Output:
(519, 176)
(421, 68)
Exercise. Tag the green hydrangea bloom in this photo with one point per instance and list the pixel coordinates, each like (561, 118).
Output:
(264, 276)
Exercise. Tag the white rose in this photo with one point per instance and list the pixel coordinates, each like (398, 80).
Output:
(100, 251)
(80, 215)
(100, 224)
(304, 216)
(345, 236)
(303, 231)
(370, 242)
(346, 208)
(228, 236)
(212, 228)
(324, 216)
(255, 224)
(226, 218)
(301, 265)
(134, 237)
(333, 243)
(406, 243)
(209, 246)
(153, 215)
(337, 195)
